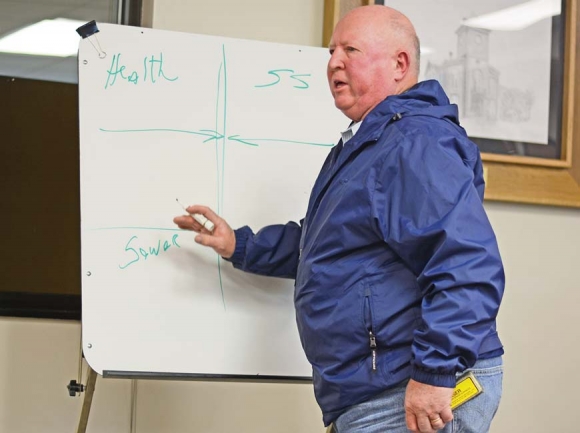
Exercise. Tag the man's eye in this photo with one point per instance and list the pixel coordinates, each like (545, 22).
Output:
(331, 51)
(350, 49)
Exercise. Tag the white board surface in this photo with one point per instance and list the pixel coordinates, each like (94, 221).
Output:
(241, 126)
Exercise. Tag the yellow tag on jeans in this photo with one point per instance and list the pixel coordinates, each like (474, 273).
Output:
(467, 388)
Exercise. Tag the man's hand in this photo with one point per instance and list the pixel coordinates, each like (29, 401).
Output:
(427, 407)
(222, 239)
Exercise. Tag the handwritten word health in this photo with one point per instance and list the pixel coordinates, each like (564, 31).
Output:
(152, 71)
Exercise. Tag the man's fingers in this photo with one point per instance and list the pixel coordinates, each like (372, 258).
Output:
(411, 422)
(205, 211)
(221, 237)
(437, 422)
(446, 415)
(207, 240)
(430, 405)
(186, 222)
(424, 424)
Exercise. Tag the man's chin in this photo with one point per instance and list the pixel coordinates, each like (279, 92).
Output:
(346, 110)
(341, 105)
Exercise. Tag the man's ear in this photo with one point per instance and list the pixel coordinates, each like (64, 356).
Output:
(403, 65)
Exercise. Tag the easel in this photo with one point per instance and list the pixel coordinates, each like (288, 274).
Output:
(89, 389)
(75, 388)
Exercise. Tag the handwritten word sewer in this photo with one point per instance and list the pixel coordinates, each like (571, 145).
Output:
(135, 252)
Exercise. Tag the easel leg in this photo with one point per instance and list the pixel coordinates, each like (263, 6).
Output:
(89, 391)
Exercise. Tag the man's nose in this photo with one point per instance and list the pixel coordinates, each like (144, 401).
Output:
(335, 61)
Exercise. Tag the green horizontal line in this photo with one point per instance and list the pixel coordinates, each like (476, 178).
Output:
(137, 228)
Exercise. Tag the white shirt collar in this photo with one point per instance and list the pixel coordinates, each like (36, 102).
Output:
(350, 132)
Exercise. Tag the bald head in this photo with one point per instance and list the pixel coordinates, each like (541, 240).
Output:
(390, 26)
(374, 54)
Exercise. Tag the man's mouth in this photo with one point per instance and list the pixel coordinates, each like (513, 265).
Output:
(338, 84)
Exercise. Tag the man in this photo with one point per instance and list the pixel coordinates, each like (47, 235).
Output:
(398, 274)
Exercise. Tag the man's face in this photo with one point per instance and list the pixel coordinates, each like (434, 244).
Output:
(361, 67)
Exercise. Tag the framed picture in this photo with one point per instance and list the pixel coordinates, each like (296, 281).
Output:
(510, 66)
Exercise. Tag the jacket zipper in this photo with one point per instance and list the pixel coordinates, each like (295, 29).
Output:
(373, 344)
(372, 337)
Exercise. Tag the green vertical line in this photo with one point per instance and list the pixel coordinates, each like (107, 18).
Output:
(217, 156)
(221, 183)
(225, 122)
(219, 263)
(220, 175)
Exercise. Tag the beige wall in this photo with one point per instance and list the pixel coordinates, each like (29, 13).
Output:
(292, 22)
(538, 321)
(38, 358)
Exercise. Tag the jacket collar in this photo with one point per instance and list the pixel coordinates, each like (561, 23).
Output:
(426, 98)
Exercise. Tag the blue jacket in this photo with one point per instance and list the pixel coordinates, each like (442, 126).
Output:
(397, 268)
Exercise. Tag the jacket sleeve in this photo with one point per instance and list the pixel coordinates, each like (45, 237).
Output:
(273, 251)
(431, 214)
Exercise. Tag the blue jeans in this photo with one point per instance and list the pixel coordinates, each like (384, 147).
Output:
(386, 411)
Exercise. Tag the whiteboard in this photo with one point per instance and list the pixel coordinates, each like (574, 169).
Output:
(241, 126)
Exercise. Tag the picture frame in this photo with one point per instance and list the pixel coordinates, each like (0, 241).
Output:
(516, 171)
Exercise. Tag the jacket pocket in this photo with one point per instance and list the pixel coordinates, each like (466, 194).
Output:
(368, 320)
